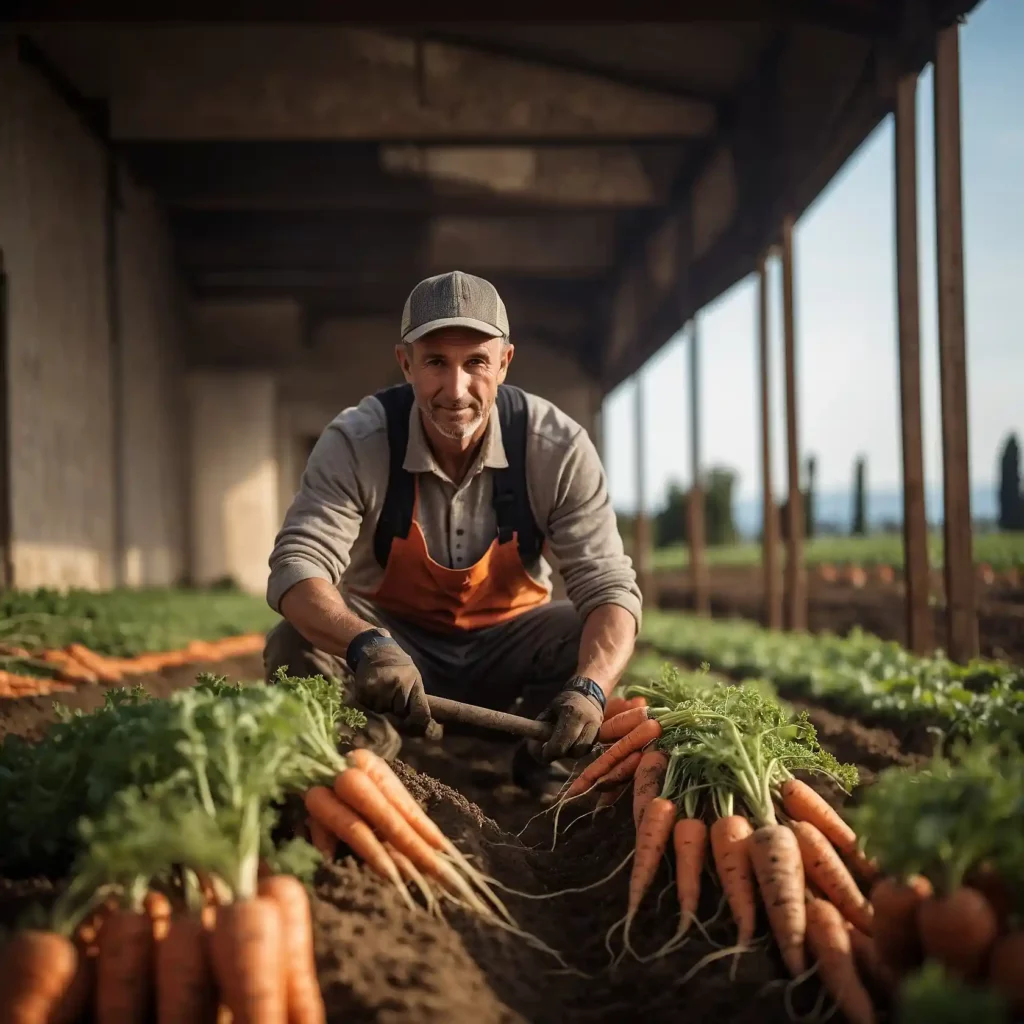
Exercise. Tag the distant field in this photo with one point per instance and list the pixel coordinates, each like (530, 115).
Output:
(1000, 550)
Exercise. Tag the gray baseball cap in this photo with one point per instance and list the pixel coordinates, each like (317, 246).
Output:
(454, 300)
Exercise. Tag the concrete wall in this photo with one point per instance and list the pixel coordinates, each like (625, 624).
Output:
(53, 231)
(234, 496)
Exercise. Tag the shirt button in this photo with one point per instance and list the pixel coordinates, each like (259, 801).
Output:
(460, 531)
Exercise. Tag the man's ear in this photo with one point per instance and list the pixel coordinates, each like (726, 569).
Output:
(506, 358)
(403, 353)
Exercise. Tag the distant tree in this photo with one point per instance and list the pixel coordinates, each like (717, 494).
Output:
(1011, 501)
(809, 496)
(859, 499)
(670, 523)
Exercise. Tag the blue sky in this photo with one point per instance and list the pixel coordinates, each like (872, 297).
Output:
(846, 307)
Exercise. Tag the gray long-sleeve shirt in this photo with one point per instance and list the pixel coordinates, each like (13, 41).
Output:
(328, 530)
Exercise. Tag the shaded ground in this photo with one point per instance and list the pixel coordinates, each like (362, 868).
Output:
(381, 962)
(838, 607)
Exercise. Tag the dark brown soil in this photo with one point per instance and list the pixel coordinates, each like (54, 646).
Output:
(380, 961)
(838, 607)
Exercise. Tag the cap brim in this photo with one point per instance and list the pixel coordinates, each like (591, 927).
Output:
(453, 321)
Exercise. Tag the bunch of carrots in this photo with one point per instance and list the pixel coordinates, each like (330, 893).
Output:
(712, 773)
(949, 837)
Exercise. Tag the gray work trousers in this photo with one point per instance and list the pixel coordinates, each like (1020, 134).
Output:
(516, 666)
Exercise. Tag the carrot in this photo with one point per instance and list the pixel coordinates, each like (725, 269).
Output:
(611, 796)
(895, 906)
(354, 788)
(69, 668)
(1004, 968)
(647, 782)
(36, 970)
(394, 789)
(993, 887)
(689, 841)
(305, 1002)
(73, 1004)
(617, 727)
(651, 841)
(344, 823)
(730, 836)
(823, 866)
(621, 773)
(775, 858)
(185, 991)
(247, 951)
(958, 930)
(829, 943)
(107, 672)
(158, 906)
(124, 967)
(865, 950)
(637, 739)
(322, 839)
(801, 802)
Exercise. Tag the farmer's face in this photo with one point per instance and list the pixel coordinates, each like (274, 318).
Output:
(455, 373)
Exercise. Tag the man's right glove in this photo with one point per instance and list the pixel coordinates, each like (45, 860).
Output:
(387, 680)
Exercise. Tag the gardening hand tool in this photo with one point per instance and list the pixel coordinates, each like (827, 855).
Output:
(444, 710)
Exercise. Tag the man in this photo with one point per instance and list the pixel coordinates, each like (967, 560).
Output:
(412, 555)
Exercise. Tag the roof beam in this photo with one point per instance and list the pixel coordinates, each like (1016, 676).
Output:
(329, 82)
(341, 176)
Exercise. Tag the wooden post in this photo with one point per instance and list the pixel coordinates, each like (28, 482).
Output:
(769, 512)
(920, 634)
(6, 553)
(961, 610)
(642, 526)
(698, 561)
(796, 576)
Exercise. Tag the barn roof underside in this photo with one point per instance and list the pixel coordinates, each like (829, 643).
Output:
(611, 179)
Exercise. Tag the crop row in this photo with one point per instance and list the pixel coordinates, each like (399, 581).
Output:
(858, 673)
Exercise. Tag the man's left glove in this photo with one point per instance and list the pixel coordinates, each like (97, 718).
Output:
(577, 718)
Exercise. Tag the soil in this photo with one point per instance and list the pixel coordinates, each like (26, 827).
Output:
(380, 961)
(837, 607)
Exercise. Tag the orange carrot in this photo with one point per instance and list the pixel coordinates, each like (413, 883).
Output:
(865, 951)
(158, 906)
(650, 774)
(617, 727)
(124, 979)
(622, 772)
(344, 823)
(823, 866)
(829, 942)
(614, 706)
(247, 951)
(36, 970)
(1004, 968)
(895, 912)
(107, 672)
(322, 839)
(994, 888)
(185, 991)
(651, 841)
(394, 790)
(802, 803)
(78, 995)
(775, 858)
(730, 836)
(356, 789)
(637, 739)
(305, 1002)
(958, 930)
(611, 796)
(689, 841)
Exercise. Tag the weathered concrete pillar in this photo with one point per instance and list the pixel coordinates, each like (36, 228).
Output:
(915, 523)
(234, 489)
(961, 609)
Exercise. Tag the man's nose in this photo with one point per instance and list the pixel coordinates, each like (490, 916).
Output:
(457, 384)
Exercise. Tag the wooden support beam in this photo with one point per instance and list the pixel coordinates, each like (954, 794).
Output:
(769, 512)
(642, 539)
(796, 575)
(698, 561)
(961, 610)
(920, 634)
(6, 564)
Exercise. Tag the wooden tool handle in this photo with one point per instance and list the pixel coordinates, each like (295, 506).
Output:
(445, 710)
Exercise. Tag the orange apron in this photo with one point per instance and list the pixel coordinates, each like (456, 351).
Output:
(417, 589)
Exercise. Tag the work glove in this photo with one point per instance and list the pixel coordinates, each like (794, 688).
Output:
(576, 718)
(387, 680)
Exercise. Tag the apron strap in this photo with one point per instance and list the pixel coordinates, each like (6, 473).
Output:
(510, 499)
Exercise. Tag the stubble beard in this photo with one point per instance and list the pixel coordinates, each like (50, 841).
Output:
(454, 431)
